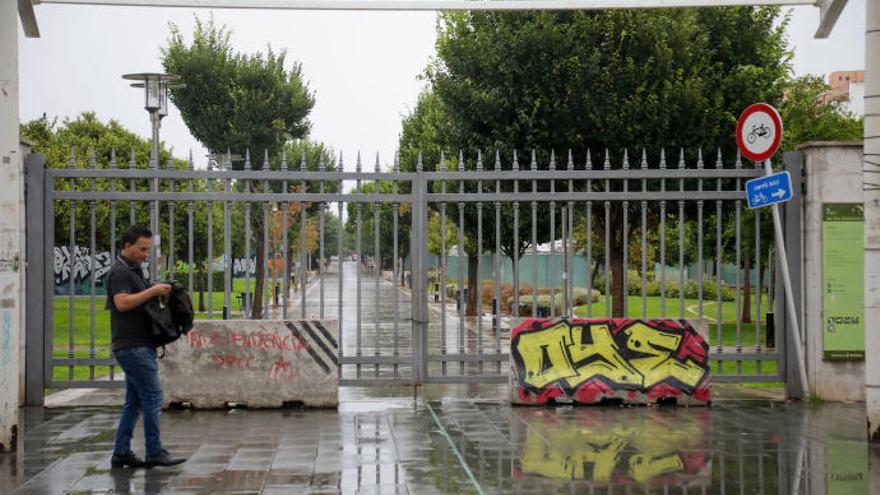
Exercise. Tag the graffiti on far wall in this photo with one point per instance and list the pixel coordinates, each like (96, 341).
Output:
(81, 265)
(586, 361)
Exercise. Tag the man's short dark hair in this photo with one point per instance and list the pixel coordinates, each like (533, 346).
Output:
(134, 233)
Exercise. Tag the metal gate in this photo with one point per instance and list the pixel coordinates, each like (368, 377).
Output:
(403, 317)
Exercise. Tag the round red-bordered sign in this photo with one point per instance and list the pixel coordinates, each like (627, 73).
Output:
(759, 132)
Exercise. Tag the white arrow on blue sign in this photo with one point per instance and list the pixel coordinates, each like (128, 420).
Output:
(769, 190)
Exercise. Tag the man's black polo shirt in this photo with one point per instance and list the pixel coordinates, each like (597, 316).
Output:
(132, 328)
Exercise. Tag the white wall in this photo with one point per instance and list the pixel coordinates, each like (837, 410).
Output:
(11, 204)
(834, 175)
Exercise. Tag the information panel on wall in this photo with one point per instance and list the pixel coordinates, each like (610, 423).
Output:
(843, 281)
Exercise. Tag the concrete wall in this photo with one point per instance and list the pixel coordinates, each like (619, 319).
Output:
(833, 173)
(11, 240)
(255, 363)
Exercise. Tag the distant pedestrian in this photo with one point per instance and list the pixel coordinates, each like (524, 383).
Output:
(132, 344)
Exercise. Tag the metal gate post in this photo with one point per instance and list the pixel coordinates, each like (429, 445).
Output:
(419, 274)
(35, 272)
(793, 228)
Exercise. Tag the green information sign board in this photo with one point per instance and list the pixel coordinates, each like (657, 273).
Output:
(843, 261)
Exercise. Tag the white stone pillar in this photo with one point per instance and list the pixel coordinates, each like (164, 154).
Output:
(11, 203)
(871, 175)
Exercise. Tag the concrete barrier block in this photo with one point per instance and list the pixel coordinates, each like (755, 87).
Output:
(588, 361)
(257, 363)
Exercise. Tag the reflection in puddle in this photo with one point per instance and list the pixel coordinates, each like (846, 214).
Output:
(614, 447)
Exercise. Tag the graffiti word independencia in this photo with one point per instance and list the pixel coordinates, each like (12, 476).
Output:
(588, 360)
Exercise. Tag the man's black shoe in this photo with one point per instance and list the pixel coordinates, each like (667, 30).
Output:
(127, 459)
(163, 459)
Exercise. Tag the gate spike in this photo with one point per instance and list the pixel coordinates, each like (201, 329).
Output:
(589, 160)
(460, 159)
(644, 163)
(190, 161)
(663, 158)
(681, 163)
(93, 160)
(719, 163)
(420, 165)
(607, 164)
(266, 165)
(132, 161)
(570, 164)
(625, 159)
(283, 158)
(515, 160)
(228, 164)
(357, 165)
(739, 162)
(247, 159)
(699, 158)
(479, 160)
(113, 157)
(302, 160)
(534, 164)
(72, 161)
(552, 165)
(378, 167)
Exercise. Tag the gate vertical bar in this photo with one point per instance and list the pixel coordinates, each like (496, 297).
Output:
(418, 248)
(266, 295)
(246, 300)
(209, 269)
(738, 206)
(496, 268)
(71, 270)
(303, 226)
(514, 168)
(285, 242)
(359, 209)
(443, 262)
(227, 241)
(625, 235)
(132, 206)
(589, 168)
(461, 254)
(169, 164)
(681, 281)
(569, 245)
(154, 218)
(93, 164)
(663, 235)
(190, 206)
(48, 280)
(395, 253)
(37, 291)
(607, 166)
(322, 167)
(718, 264)
(700, 237)
(534, 205)
(377, 264)
(644, 247)
(479, 288)
(552, 278)
(113, 212)
(340, 253)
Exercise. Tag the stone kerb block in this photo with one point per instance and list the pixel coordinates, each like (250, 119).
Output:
(588, 361)
(257, 363)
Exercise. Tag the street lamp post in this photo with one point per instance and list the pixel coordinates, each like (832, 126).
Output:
(156, 87)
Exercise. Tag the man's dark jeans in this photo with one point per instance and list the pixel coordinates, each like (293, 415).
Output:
(143, 393)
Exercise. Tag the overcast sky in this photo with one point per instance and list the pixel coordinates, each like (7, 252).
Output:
(363, 66)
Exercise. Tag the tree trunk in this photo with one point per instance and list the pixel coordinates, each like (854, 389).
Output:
(618, 272)
(747, 291)
(473, 309)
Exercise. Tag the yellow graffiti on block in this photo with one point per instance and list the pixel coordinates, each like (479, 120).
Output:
(613, 366)
(659, 366)
(545, 356)
(643, 467)
(553, 355)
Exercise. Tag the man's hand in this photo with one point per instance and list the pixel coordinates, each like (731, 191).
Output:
(160, 290)
(127, 302)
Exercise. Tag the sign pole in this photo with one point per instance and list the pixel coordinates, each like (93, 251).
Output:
(789, 294)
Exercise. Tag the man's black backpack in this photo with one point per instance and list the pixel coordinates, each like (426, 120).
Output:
(172, 316)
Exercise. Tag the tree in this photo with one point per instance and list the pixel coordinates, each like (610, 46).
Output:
(234, 101)
(809, 116)
(386, 226)
(598, 80)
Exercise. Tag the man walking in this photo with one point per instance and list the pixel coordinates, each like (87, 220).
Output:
(131, 342)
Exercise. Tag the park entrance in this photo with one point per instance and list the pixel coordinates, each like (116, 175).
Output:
(542, 234)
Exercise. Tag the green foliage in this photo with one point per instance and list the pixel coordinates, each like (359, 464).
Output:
(233, 100)
(809, 116)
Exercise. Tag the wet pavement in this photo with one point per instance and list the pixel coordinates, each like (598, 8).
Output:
(384, 441)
